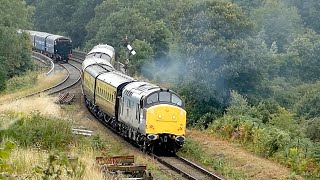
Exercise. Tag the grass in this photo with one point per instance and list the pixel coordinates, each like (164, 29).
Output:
(39, 136)
(194, 151)
(29, 83)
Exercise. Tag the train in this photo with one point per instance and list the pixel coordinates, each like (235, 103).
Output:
(151, 117)
(57, 47)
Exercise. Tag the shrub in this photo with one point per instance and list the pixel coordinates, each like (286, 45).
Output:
(5, 168)
(20, 82)
(59, 165)
(38, 131)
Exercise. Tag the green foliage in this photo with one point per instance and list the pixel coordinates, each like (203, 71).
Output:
(313, 129)
(3, 75)
(42, 132)
(249, 5)
(19, 82)
(97, 142)
(5, 168)
(194, 150)
(15, 14)
(60, 164)
(145, 56)
(279, 136)
(309, 11)
(306, 49)
(307, 104)
(15, 47)
(279, 22)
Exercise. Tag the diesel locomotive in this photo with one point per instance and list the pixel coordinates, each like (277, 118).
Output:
(146, 114)
(57, 47)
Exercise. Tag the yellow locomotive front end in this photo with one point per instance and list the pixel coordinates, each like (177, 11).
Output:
(166, 119)
(165, 123)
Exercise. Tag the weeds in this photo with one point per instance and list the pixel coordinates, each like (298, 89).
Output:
(194, 151)
(5, 168)
(58, 165)
(22, 82)
(41, 132)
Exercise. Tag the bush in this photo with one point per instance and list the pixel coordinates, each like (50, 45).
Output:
(5, 152)
(313, 129)
(42, 132)
(20, 82)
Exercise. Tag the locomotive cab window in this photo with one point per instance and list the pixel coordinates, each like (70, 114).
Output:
(176, 100)
(153, 98)
(164, 96)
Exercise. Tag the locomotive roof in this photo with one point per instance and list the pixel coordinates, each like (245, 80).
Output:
(103, 48)
(39, 34)
(115, 78)
(56, 37)
(139, 89)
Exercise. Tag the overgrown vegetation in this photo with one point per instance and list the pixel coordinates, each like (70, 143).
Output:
(5, 153)
(15, 49)
(40, 132)
(271, 131)
(267, 51)
(194, 151)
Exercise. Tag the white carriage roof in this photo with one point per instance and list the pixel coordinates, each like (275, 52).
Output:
(115, 78)
(103, 48)
(94, 60)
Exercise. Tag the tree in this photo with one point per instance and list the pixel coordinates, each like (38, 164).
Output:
(80, 18)
(143, 58)
(309, 11)
(249, 5)
(15, 49)
(220, 56)
(3, 74)
(306, 48)
(279, 22)
(144, 32)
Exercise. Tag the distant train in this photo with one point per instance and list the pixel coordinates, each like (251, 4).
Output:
(57, 47)
(152, 117)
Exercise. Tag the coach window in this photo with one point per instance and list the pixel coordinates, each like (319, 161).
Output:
(164, 96)
(152, 98)
(137, 112)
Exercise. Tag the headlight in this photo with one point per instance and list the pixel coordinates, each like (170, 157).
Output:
(152, 137)
(180, 139)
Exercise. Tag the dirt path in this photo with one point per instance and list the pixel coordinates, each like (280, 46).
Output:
(253, 166)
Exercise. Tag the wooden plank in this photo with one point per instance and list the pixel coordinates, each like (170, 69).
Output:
(126, 168)
(115, 160)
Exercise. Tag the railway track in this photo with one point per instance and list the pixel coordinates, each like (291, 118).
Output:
(72, 78)
(186, 168)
